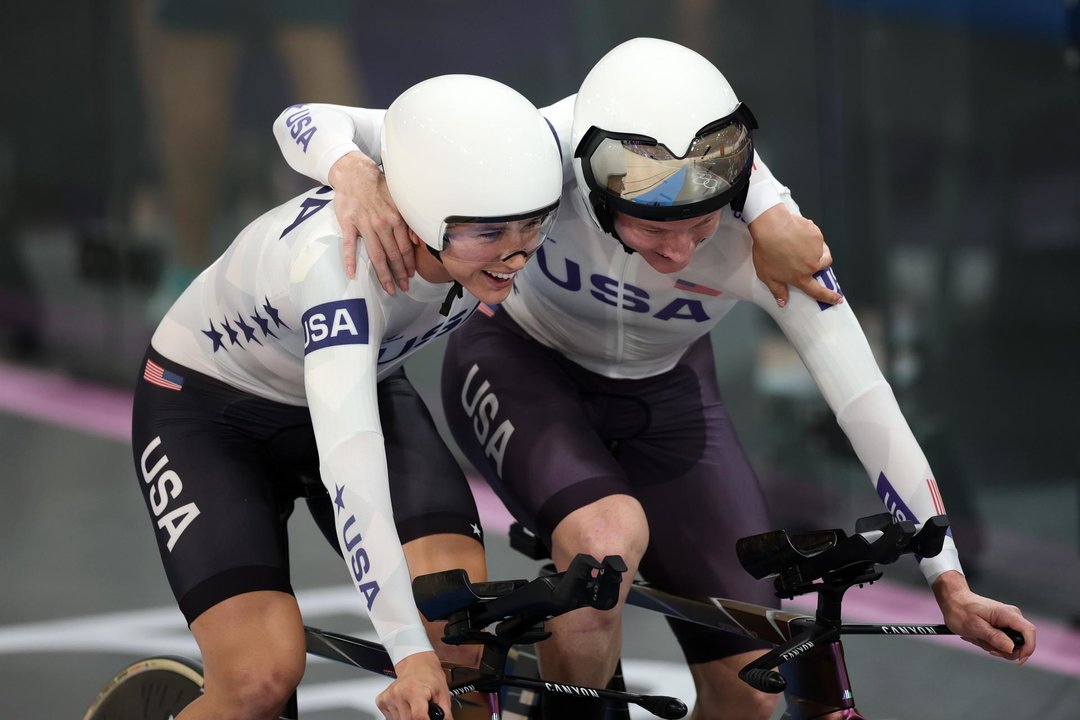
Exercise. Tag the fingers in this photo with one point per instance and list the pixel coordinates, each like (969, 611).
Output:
(414, 702)
(779, 291)
(1011, 617)
(405, 246)
(826, 257)
(985, 632)
(390, 250)
(399, 254)
(819, 292)
(379, 262)
(348, 250)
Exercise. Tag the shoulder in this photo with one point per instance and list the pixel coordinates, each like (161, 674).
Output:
(561, 117)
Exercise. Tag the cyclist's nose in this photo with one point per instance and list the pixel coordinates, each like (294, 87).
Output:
(516, 260)
(679, 247)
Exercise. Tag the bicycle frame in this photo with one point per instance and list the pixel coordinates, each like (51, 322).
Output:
(818, 683)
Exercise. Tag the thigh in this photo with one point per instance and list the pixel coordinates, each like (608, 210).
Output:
(518, 415)
(428, 490)
(427, 485)
(218, 516)
(700, 495)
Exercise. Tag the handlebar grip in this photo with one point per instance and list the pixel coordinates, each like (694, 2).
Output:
(669, 708)
(434, 712)
(768, 681)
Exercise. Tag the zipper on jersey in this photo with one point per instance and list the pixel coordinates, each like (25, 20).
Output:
(620, 346)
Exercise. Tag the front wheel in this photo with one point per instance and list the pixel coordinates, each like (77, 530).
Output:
(156, 688)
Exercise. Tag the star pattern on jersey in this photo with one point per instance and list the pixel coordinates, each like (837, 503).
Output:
(236, 327)
(273, 313)
(233, 335)
(339, 500)
(215, 336)
(249, 332)
(263, 323)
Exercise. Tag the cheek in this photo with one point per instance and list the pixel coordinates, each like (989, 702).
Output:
(640, 241)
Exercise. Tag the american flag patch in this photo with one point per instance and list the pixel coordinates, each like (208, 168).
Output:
(694, 287)
(157, 375)
(935, 495)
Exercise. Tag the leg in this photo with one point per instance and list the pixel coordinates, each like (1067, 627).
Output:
(701, 495)
(586, 644)
(721, 695)
(517, 411)
(220, 518)
(253, 655)
(447, 551)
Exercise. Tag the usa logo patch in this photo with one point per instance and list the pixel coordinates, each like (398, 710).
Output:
(342, 322)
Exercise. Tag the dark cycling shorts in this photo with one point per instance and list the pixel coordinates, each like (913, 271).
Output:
(220, 470)
(552, 437)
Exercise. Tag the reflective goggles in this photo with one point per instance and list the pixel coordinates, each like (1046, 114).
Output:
(495, 239)
(643, 178)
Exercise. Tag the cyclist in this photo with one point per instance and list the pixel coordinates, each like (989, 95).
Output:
(589, 400)
(275, 377)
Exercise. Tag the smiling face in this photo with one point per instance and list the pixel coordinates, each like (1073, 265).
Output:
(666, 246)
(484, 257)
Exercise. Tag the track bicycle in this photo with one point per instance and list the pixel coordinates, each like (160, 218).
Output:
(807, 664)
(496, 615)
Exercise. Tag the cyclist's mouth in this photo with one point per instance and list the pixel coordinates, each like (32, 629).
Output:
(499, 279)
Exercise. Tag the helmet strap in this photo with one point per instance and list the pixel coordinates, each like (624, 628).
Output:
(455, 292)
(739, 199)
(435, 253)
(606, 218)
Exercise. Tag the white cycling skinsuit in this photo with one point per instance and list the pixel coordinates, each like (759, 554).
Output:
(276, 318)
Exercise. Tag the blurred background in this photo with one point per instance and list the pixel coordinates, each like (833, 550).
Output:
(937, 144)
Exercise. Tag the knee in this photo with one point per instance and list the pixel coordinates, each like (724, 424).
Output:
(615, 525)
(259, 688)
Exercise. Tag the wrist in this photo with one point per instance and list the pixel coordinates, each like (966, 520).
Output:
(350, 166)
(425, 659)
(768, 224)
(948, 583)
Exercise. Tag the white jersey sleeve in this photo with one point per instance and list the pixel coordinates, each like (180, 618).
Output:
(340, 382)
(765, 191)
(834, 349)
(314, 136)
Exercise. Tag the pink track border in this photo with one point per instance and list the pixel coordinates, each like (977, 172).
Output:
(104, 412)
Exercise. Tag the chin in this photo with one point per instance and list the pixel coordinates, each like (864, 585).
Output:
(487, 294)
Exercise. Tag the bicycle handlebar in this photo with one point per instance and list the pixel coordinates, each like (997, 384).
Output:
(517, 605)
(802, 558)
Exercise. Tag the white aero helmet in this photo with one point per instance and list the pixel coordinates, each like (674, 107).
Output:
(467, 149)
(659, 134)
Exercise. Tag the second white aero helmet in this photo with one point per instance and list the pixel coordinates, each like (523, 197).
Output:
(467, 149)
(659, 134)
